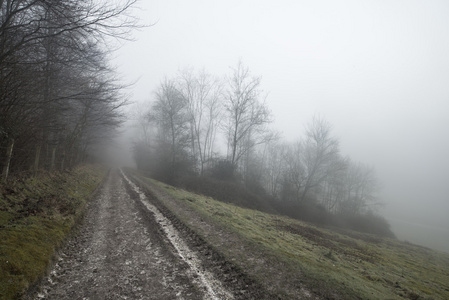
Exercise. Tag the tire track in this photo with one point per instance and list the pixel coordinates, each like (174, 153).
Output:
(120, 253)
(213, 288)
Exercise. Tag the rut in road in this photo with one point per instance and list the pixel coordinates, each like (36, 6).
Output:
(121, 253)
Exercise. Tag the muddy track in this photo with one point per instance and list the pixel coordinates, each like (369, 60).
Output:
(232, 278)
(123, 251)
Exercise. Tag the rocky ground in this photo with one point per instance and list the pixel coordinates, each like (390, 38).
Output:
(127, 249)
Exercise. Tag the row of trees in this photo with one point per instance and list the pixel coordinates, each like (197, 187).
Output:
(188, 113)
(58, 96)
(194, 112)
(313, 168)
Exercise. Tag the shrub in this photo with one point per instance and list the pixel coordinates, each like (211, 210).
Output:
(368, 223)
(226, 191)
(223, 170)
(308, 211)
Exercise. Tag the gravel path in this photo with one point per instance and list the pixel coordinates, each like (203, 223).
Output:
(123, 252)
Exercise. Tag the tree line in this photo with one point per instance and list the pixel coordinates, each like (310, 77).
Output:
(58, 95)
(202, 125)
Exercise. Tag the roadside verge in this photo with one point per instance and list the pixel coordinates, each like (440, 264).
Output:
(36, 216)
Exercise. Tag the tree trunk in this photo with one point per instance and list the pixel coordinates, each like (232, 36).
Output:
(63, 160)
(8, 160)
(53, 158)
(37, 158)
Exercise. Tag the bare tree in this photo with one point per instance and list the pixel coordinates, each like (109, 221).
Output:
(333, 188)
(274, 167)
(202, 93)
(311, 161)
(295, 174)
(170, 113)
(359, 190)
(48, 51)
(142, 124)
(144, 141)
(321, 154)
(246, 115)
(23, 22)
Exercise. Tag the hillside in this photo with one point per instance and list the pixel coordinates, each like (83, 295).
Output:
(291, 258)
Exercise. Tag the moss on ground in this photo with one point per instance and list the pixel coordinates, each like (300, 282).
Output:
(330, 263)
(36, 215)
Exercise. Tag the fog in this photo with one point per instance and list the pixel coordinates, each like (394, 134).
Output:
(378, 71)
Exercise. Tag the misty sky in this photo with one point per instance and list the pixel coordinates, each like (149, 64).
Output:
(378, 71)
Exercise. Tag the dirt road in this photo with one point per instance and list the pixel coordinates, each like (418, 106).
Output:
(126, 249)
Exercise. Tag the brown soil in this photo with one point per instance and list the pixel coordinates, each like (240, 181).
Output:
(234, 261)
(120, 252)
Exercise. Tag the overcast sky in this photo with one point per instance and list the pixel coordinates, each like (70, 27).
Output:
(378, 71)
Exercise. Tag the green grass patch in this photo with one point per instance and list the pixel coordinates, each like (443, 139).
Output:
(36, 215)
(330, 263)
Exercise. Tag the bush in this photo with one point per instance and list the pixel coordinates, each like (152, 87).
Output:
(226, 191)
(367, 223)
(308, 211)
(223, 170)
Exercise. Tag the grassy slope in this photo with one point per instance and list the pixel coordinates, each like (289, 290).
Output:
(36, 214)
(285, 254)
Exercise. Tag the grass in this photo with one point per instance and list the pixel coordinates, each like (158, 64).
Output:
(287, 255)
(36, 215)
